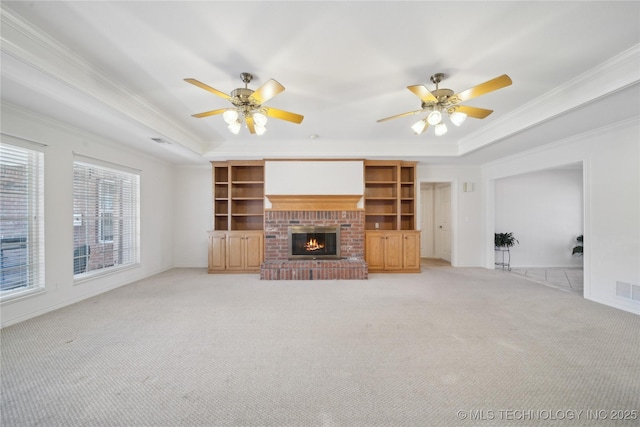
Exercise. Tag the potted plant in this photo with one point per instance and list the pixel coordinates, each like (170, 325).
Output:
(502, 242)
(577, 250)
(505, 240)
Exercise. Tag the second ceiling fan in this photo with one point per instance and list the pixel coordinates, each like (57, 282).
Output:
(441, 102)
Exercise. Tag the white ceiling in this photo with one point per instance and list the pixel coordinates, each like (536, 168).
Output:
(116, 68)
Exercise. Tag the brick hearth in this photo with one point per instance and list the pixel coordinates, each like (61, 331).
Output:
(344, 269)
(278, 267)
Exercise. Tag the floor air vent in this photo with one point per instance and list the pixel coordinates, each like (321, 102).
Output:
(627, 290)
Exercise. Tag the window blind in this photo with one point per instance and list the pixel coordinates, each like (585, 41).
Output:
(106, 230)
(21, 219)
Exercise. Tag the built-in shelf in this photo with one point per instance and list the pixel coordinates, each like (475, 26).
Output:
(238, 202)
(389, 199)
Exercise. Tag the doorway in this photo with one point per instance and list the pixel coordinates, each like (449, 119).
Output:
(544, 209)
(435, 199)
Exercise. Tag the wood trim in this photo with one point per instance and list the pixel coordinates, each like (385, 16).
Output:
(225, 163)
(340, 202)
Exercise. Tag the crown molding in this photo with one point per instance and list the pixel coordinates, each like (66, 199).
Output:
(572, 141)
(617, 73)
(54, 128)
(35, 49)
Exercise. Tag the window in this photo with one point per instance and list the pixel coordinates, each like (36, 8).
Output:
(106, 200)
(105, 219)
(21, 220)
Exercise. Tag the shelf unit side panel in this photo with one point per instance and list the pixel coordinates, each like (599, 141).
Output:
(221, 206)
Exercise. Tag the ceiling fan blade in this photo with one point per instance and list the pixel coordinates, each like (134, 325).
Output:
(410, 113)
(267, 91)
(249, 119)
(209, 113)
(423, 93)
(209, 88)
(284, 115)
(486, 87)
(476, 113)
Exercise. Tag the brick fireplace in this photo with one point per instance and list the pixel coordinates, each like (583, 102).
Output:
(290, 211)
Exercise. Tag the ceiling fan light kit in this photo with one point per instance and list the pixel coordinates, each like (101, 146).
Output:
(230, 116)
(260, 130)
(248, 106)
(457, 118)
(259, 119)
(440, 129)
(434, 117)
(441, 102)
(420, 126)
(234, 127)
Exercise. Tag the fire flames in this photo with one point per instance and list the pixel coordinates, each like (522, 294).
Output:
(312, 245)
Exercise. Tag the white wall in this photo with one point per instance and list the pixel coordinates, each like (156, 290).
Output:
(544, 211)
(306, 177)
(467, 232)
(611, 161)
(156, 209)
(326, 177)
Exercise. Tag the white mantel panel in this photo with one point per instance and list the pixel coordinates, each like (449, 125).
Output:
(301, 177)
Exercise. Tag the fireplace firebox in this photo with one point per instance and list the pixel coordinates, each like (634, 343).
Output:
(314, 242)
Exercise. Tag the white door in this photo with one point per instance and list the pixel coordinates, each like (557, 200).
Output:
(427, 221)
(443, 221)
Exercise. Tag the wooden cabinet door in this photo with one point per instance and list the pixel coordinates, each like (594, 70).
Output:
(411, 251)
(374, 250)
(217, 251)
(393, 251)
(254, 250)
(235, 251)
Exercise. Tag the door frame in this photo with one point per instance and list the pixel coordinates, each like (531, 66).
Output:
(427, 221)
(442, 216)
(453, 213)
(489, 184)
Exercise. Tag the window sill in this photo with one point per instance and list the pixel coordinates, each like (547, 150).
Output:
(21, 294)
(95, 274)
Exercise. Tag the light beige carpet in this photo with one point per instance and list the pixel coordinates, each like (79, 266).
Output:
(446, 347)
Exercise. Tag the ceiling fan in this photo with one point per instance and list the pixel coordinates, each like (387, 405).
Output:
(248, 105)
(441, 102)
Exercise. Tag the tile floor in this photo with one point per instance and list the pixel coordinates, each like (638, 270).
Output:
(570, 279)
(434, 262)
